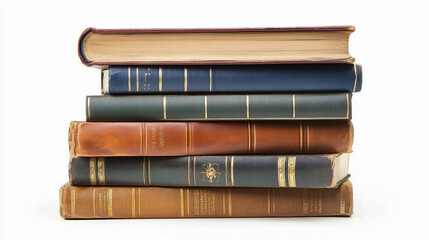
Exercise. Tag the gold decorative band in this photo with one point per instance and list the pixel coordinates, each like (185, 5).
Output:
(129, 79)
(205, 107)
(300, 137)
(164, 104)
(226, 170)
(293, 105)
(348, 107)
(281, 165)
(160, 79)
(187, 200)
(186, 79)
(144, 171)
(100, 165)
(291, 171)
(73, 202)
(232, 171)
(195, 179)
(148, 171)
(247, 105)
(182, 203)
(89, 108)
(110, 202)
(137, 78)
(354, 86)
(229, 202)
(269, 202)
(133, 202)
(92, 175)
(210, 79)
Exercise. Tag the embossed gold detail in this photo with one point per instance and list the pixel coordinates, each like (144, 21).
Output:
(137, 78)
(100, 166)
(110, 202)
(160, 79)
(348, 107)
(89, 108)
(211, 79)
(304, 201)
(189, 170)
(73, 202)
(226, 170)
(148, 171)
(354, 86)
(293, 105)
(342, 200)
(269, 202)
(205, 107)
(164, 104)
(182, 203)
(247, 106)
(133, 202)
(210, 173)
(291, 171)
(229, 202)
(281, 168)
(92, 175)
(232, 171)
(300, 137)
(186, 79)
(93, 201)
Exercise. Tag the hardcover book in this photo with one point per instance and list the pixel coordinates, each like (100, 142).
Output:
(215, 46)
(232, 79)
(191, 202)
(139, 108)
(300, 171)
(103, 139)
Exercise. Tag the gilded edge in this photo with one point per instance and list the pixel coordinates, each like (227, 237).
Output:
(110, 202)
(73, 202)
(160, 79)
(92, 175)
(342, 200)
(133, 202)
(182, 203)
(281, 165)
(291, 171)
(232, 171)
(101, 176)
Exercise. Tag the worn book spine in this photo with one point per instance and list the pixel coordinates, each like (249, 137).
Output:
(218, 107)
(99, 139)
(157, 202)
(232, 79)
(301, 171)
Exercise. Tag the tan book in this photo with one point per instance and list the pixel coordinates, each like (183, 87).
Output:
(157, 202)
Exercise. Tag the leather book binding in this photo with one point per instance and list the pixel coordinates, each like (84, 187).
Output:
(300, 171)
(157, 202)
(139, 108)
(101, 139)
(292, 78)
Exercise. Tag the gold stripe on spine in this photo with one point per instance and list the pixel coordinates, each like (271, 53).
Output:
(189, 171)
(320, 200)
(73, 202)
(269, 202)
(232, 171)
(190, 138)
(304, 201)
(195, 180)
(186, 138)
(100, 166)
(160, 79)
(308, 138)
(348, 107)
(223, 202)
(291, 171)
(137, 78)
(281, 168)
(141, 139)
(354, 86)
(293, 105)
(133, 202)
(164, 104)
(187, 200)
(249, 136)
(92, 175)
(182, 203)
(229, 202)
(226, 170)
(274, 200)
(93, 201)
(254, 137)
(211, 79)
(89, 108)
(247, 106)
(300, 137)
(186, 79)
(205, 107)
(144, 171)
(129, 79)
(145, 137)
(110, 202)
(342, 200)
(148, 171)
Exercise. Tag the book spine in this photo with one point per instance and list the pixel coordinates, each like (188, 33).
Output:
(218, 107)
(301, 171)
(156, 202)
(234, 79)
(96, 139)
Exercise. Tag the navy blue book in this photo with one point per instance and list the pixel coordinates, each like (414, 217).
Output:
(232, 79)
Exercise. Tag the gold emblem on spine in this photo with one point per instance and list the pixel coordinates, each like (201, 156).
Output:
(92, 175)
(281, 165)
(100, 165)
(291, 171)
(211, 172)
(110, 202)
(160, 79)
(186, 79)
(73, 202)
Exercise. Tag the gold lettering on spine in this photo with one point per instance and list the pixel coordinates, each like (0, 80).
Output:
(101, 176)
(232, 171)
(189, 170)
(92, 176)
(129, 79)
(205, 107)
(342, 200)
(304, 201)
(148, 171)
(164, 104)
(247, 106)
(229, 202)
(300, 137)
(110, 202)
(281, 166)
(93, 201)
(269, 202)
(186, 79)
(226, 171)
(182, 203)
(73, 202)
(137, 78)
(89, 108)
(133, 202)
(348, 107)
(291, 171)
(160, 79)
(293, 105)
(354, 86)
(211, 74)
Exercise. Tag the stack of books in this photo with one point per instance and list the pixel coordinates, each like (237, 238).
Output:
(214, 123)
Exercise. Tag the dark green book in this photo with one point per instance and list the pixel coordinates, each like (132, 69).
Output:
(301, 171)
(134, 108)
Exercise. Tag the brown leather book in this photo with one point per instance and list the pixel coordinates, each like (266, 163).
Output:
(156, 202)
(98, 139)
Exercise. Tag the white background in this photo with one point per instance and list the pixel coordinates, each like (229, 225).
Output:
(43, 86)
